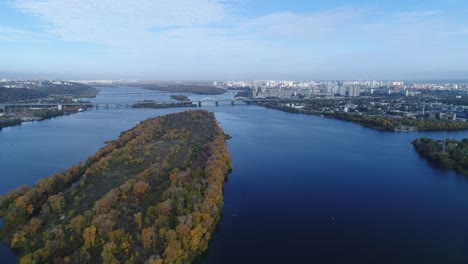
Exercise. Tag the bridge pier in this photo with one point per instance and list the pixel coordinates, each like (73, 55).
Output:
(233, 102)
(217, 103)
(199, 104)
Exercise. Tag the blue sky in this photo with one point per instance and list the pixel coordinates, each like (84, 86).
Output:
(235, 39)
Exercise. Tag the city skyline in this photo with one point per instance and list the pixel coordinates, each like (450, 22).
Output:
(239, 39)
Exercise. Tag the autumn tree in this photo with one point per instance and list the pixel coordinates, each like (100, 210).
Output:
(107, 254)
(77, 224)
(138, 219)
(89, 236)
(148, 237)
(56, 203)
(141, 187)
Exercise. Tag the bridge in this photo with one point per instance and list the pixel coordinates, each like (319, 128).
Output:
(108, 105)
(216, 101)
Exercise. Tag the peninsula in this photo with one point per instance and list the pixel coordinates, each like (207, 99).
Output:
(448, 154)
(154, 195)
(370, 120)
(24, 101)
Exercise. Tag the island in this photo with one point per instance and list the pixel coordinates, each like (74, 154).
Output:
(159, 105)
(180, 97)
(154, 195)
(447, 154)
(182, 88)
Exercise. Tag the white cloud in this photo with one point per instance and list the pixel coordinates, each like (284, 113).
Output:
(421, 13)
(306, 25)
(211, 36)
(109, 21)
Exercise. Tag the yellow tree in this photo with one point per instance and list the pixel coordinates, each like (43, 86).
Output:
(138, 219)
(56, 203)
(35, 224)
(141, 187)
(77, 224)
(18, 240)
(89, 236)
(147, 237)
(107, 253)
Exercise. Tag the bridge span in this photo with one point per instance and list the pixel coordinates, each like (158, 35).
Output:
(108, 105)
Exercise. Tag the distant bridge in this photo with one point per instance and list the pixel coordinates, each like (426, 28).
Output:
(152, 93)
(107, 105)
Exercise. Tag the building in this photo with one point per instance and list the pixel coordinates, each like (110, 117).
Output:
(354, 91)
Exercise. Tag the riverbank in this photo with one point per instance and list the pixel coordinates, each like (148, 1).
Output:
(36, 115)
(378, 122)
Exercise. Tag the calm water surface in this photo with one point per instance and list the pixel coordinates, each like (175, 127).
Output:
(302, 187)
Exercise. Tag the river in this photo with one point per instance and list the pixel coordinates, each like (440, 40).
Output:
(304, 189)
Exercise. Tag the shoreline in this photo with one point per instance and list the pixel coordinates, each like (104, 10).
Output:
(18, 121)
(355, 119)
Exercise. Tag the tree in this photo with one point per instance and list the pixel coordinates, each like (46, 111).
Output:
(141, 187)
(56, 203)
(89, 236)
(30, 209)
(28, 259)
(35, 224)
(138, 219)
(18, 240)
(77, 224)
(147, 237)
(107, 254)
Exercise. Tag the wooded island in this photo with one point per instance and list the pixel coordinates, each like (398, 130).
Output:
(154, 195)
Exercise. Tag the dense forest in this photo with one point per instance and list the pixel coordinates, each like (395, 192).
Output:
(76, 90)
(180, 97)
(449, 154)
(156, 105)
(46, 89)
(6, 122)
(154, 195)
(19, 94)
(182, 88)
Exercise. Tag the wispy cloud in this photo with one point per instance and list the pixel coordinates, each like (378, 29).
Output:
(160, 34)
(11, 34)
(107, 21)
(420, 13)
(305, 25)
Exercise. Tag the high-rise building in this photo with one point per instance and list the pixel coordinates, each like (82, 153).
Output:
(342, 91)
(354, 91)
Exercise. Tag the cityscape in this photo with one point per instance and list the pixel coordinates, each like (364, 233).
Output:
(227, 132)
(390, 99)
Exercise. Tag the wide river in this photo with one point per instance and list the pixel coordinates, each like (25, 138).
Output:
(304, 189)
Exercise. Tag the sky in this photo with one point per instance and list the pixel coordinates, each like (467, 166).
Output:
(235, 39)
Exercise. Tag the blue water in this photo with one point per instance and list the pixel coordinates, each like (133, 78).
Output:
(303, 189)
